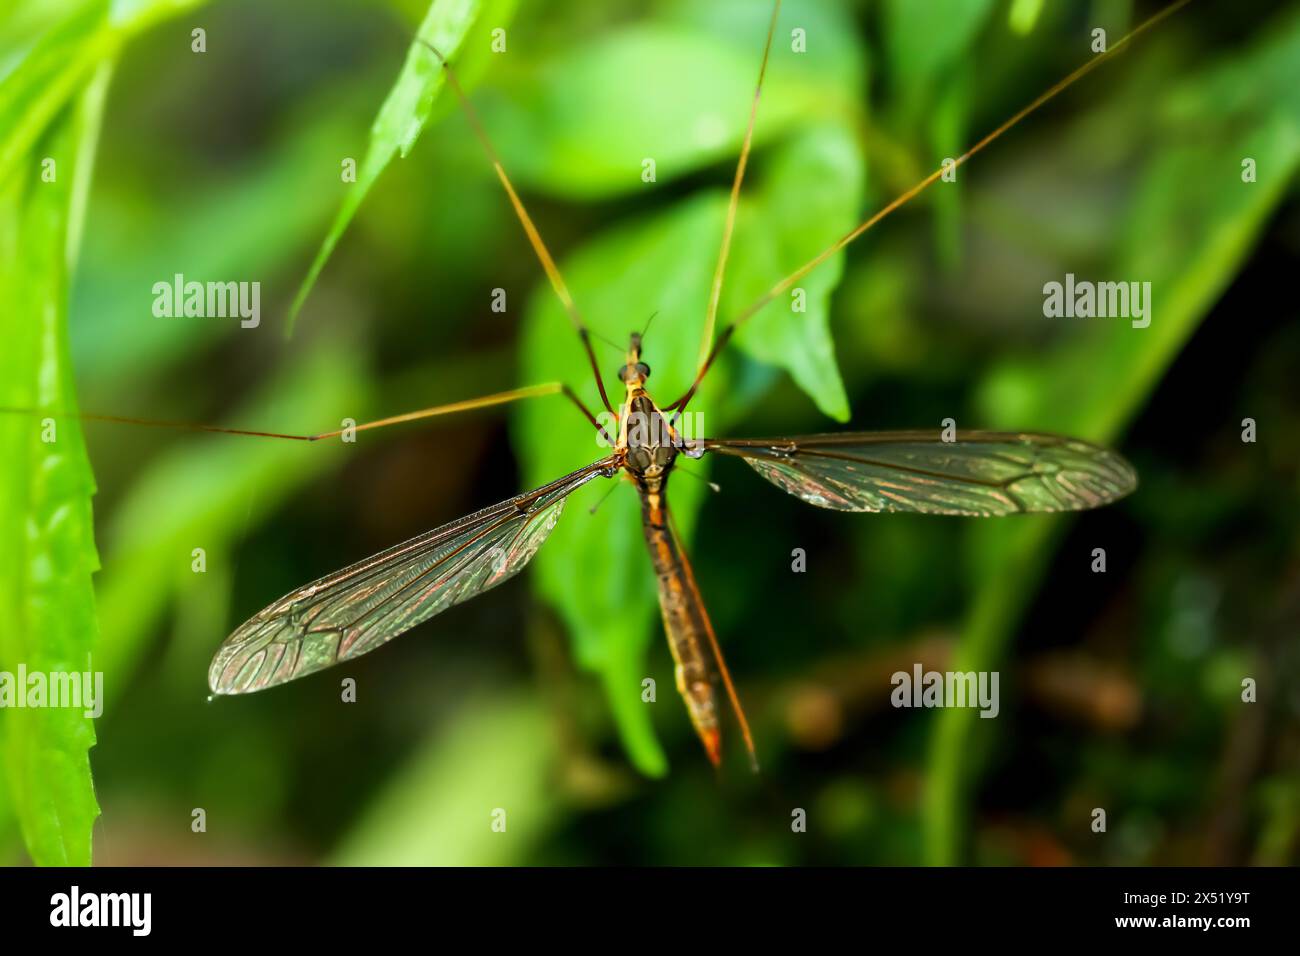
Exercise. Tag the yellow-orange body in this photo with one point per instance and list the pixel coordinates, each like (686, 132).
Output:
(649, 445)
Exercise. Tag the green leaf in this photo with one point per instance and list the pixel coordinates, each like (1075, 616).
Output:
(924, 40)
(1189, 244)
(47, 75)
(47, 550)
(40, 79)
(54, 71)
(447, 26)
(582, 122)
(809, 196)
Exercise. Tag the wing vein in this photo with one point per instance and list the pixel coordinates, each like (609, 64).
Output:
(350, 612)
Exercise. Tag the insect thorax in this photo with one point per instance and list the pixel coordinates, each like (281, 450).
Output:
(651, 443)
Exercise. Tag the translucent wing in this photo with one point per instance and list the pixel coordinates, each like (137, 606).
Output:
(981, 473)
(350, 612)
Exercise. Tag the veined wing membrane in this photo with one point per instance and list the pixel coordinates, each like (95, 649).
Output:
(350, 612)
(981, 473)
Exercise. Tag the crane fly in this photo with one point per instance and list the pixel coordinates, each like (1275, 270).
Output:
(351, 612)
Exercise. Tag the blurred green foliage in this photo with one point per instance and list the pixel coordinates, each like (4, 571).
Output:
(1122, 690)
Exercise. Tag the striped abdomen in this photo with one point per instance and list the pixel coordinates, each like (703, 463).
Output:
(685, 621)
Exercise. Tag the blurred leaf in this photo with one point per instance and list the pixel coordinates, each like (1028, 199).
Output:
(10, 840)
(929, 49)
(810, 195)
(406, 110)
(24, 22)
(677, 91)
(49, 74)
(1189, 244)
(1024, 14)
(439, 811)
(48, 555)
(924, 40)
(55, 67)
(948, 131)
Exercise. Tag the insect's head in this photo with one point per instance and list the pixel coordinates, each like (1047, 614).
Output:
(634, 371)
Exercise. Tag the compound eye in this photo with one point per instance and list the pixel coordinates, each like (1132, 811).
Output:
(622, 373)
(643, 370)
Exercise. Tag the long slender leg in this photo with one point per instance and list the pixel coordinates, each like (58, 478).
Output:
(500, 398)
(534, 237)
(729, 227)
(486, 401)
(786, 283)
